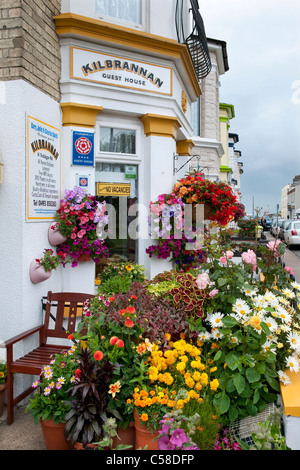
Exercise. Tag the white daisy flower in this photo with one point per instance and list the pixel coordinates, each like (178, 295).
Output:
(260, 301)
(288, 293)
(215, 319)
(267, 345)
(295, 285)
(294, 340)
(292, 363)
(284, 315)
(234, 340)
(204, 336)
(216, 334)
(283, 377)
(271, 323)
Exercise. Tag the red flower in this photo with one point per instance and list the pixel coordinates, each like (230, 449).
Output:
(129, 323)
(134, 297)
(122, 311)
(113, 340)
(78, 373)
(98, 355)
(130, 309)
(70, 336)
(111, 299)
(120, 343)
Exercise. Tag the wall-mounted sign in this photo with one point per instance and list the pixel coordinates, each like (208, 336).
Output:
(83, 148)
(113, 189)
(131, 171)
(120, 71)
(43, 170)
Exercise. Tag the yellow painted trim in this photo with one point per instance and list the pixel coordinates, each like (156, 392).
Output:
(70, 24)
(164, 126)
(290, 395)
(184, 147)
(80, 115)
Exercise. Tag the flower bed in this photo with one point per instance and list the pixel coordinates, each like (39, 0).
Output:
(188, 353)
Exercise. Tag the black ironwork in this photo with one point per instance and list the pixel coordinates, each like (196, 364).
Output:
(196, 41)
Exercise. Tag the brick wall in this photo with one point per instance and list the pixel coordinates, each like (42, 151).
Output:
(29, 46)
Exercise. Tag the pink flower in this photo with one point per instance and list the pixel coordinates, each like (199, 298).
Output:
(178, 437)
(249, 257)
(203, 280)
(213, 292)
(164, 443)
(81, 233)
(229, 254)
(223, 259)
(289, 270)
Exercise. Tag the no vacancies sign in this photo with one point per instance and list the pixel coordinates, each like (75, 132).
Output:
(120, 71)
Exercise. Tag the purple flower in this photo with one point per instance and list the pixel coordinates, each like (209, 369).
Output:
(178, 437)
(164, 443)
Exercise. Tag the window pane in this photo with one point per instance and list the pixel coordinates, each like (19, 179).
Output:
(117, 140)
(195, 111)
(129, 10)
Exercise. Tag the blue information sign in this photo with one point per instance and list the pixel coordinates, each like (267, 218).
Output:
(83, 148)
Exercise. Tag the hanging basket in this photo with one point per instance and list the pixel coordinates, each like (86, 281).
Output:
(55, 236)
(37, 272)
(208, 212)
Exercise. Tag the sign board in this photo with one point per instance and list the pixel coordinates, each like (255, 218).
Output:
(130, 171)
(120, 71)
(43, 170)
(113, 189)
(83, 148)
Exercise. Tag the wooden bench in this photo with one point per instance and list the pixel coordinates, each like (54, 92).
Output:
(62, 312)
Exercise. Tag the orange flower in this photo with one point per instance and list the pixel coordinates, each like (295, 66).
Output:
(120, 343)
(98, 355)
(144, 417)
(113, 340)
(111, 299)
(70, 336)
(130, 310)
(129, 323)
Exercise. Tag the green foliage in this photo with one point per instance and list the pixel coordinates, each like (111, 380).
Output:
(114, 285)
(3, 372)
(269, 437)
(206, 431)
(52, 390)
(247, 228)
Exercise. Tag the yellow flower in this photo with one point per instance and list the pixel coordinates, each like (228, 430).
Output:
(255, 322)
(198, 386)
(167, 336)
(196, 376)
(189, 382)
(128, 267)
(214, 384)
(180, 366)
(204, 379)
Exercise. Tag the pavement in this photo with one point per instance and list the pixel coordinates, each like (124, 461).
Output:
(24, 434)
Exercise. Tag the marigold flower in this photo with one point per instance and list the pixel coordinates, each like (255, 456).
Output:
(144, 417)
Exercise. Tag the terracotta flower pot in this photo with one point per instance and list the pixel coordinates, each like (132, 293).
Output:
(54, 435)
(37, 272)
(127, 437)
(84, 257)
(143, 436)
(55, 236)
(79, 446)
(2, 394)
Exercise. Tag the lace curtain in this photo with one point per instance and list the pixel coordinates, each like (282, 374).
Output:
(129, 10)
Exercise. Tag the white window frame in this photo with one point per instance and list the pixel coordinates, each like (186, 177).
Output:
(119, 157)
(129, 24)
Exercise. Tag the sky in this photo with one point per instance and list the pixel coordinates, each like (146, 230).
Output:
(263, 84)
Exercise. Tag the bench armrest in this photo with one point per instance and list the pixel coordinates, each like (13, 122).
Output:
(21, 336)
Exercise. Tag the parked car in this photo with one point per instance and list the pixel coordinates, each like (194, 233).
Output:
(268, 223)
(292, 233)
(274, 227)
(283, 228)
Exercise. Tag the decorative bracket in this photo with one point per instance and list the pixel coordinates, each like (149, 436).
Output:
(176, 157)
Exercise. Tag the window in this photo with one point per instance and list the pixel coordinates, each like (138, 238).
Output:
(114, 140)
(196, 117)
(128, 10)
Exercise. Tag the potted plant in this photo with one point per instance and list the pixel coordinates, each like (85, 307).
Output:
(220, 204)
(49, 405)
(41, 269)
(81, 219)
(3, 375)
(89, 399)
